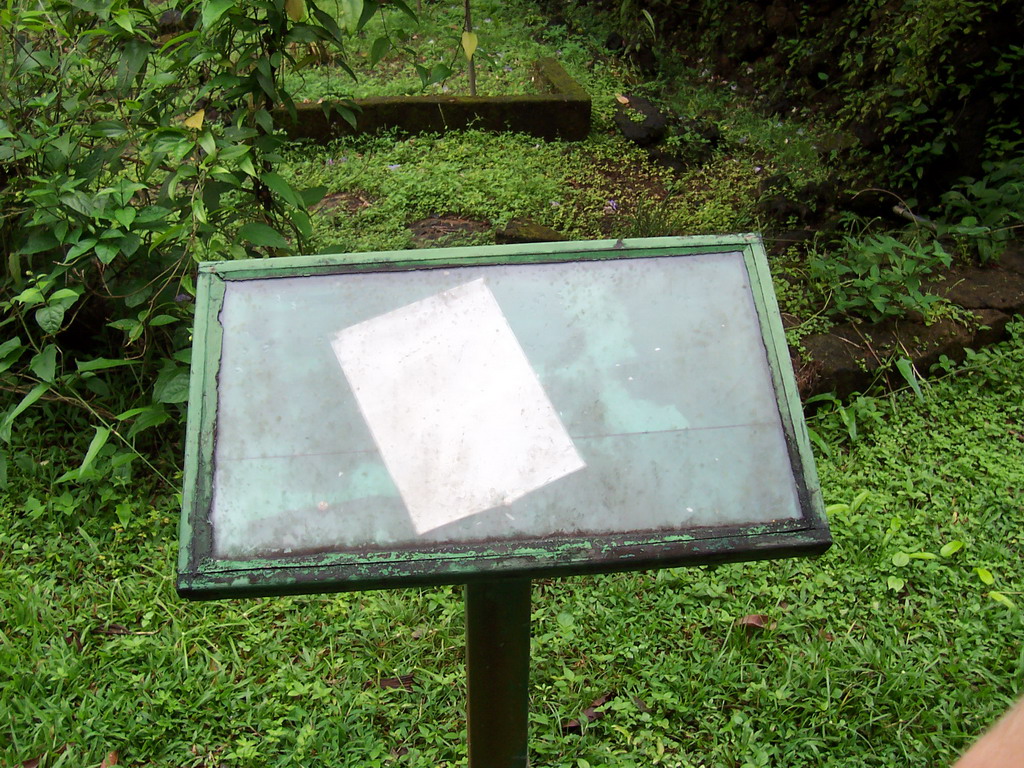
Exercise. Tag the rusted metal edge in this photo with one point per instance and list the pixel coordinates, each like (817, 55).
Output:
(530, 564)
(202, 577)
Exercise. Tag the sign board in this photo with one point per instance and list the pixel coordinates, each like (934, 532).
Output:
(442, 416)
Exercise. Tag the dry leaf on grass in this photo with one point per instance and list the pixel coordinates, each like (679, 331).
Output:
(757, 621)
(590, 714)
(404, 681)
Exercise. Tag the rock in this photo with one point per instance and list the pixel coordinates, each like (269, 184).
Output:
(868, 136)
(976, 288)
(173, 22)
(1013, 259)
(778, 182)
(615, 43)
(848, 359)
(666, 160)
(640, 121)
(819, 195)
(781, 20)
(782, 208)
(441, 230)
(873, 203)
(644, 59)
(526, 231)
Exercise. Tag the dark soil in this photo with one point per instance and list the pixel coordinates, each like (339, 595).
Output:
(437, 231)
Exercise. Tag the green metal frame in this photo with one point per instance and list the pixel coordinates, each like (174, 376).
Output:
(200, 576)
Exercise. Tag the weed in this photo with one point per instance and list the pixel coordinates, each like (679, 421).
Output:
(985, 213)
(878, 275)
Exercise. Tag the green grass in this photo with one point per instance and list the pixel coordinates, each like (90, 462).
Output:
(605, 187)
(871, 658)
(509, 46)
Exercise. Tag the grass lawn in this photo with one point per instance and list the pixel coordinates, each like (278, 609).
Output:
(896, 647)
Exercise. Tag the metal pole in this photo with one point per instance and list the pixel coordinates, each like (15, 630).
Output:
(498, 670)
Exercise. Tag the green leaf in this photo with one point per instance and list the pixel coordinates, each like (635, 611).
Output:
(986, 576)
(404, 8)
(127, 324)
(65, 297)
(900, 559)
(1001, 598)
(50, 319)
(98, 441)
(44, 364)
(30, 296)
(344, 111)
(10, 346)
(10, 351)
(214, 9)
(245, 163)
(208, 142)
(313, 195)
(923, 556)
(107, 252)
(82, 246)
(296, 9)
(859, 500)
(895, 583)
(102, 364)
(282, 188)
(302, 222)
(125, 216)
(469, 44)
(258, 233)
(906, 369)
(33, 394)
(159, 320)
(171, 386)
(819, 441)
(379, 49)
(112, 129)
(351, 13)
(146, 418)
(440, 72)
(951, 548)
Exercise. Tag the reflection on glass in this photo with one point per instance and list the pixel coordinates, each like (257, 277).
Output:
(655, 367)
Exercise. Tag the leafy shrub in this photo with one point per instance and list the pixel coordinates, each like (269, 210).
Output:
(878, 276)
(931, 87)
(135, 140)
(986, 212)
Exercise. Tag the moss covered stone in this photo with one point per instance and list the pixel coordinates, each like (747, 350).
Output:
(561, 112)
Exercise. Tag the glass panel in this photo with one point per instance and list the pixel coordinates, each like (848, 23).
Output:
(643, 391)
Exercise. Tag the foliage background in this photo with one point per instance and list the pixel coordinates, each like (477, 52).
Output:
(931, 89)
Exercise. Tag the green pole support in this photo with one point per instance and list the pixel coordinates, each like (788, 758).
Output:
(498, 671)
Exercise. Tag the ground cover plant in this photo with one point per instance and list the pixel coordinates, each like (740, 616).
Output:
(422, 52)
(898, 645)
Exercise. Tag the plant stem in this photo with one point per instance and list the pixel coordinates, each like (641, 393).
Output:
(472, 64)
